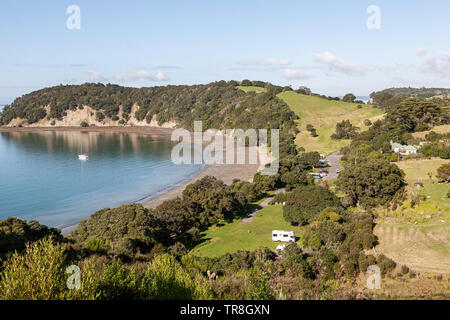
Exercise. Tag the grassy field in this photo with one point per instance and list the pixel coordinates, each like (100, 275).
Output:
(323, 115)
(423, 247)
(418, 170)
(419, 237)
(252, 88)
(435, 193)
(238, 235)
(437, 129)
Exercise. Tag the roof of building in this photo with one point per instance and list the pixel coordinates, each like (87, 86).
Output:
(396, 145)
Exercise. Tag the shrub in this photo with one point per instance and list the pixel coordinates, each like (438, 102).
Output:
(165, 279)
(386, 265)
(117, 282)
(84, 124)
(37, 274)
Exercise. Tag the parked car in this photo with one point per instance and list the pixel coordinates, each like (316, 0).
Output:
(338, 170)
(323, 171)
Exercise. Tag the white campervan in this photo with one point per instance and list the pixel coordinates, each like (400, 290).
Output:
(283, 236)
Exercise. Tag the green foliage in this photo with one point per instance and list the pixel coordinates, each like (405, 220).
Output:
(212, 197)
(126, 229)
(305, 202)
(443, 173)
(35, 275)
(96, 245)
(245, 192)
(349, 97)
(219, 105)
(412, 115)
(259, 285)
(16, 233)
(266, 182)
(165, 279)
(372, 182)
(388, 98)
(344, 130)
(117, 282)
(386, 265)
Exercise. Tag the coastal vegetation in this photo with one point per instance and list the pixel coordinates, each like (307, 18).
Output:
(204, 244)
(388, 98)
(219, 105)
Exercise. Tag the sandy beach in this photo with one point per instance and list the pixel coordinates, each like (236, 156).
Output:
(224, 172)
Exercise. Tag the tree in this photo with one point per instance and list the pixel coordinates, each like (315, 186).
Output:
(212, 197)
(16, 233)
(306, 202)
(349, 97)
(127, 228)
(344, 130)
(246, 83)
(373, 181)
(443, 173)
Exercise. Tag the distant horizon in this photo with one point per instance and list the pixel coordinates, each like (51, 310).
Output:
(359, 97)
(331, 47)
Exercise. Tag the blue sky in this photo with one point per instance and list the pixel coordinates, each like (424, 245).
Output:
(325, 45)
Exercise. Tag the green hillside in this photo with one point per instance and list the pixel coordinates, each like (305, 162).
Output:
(323, 114)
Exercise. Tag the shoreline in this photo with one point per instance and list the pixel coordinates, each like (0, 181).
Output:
(224, 172)
(152, 131)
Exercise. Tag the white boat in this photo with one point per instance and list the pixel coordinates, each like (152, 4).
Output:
(82, 156)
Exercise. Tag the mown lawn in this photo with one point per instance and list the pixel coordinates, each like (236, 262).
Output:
(238, 235)
(323, 115)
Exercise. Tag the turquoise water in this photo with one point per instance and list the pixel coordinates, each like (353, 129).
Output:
(42, 179)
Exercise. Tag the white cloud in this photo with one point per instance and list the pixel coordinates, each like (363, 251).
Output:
(266, 62)
(94, 76)
(294, 74)
(421, 51)
(438, 63)
(144, 74)
(336, 64)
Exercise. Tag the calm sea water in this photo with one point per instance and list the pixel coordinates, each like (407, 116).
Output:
(42, 179)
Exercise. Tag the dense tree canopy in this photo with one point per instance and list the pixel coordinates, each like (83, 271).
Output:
(305, 202)
(219, 105)
(372, 181)
(16, 233)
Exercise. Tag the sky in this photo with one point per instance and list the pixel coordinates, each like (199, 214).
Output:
(333, 47)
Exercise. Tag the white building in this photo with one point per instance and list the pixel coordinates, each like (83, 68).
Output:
(404, 150)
